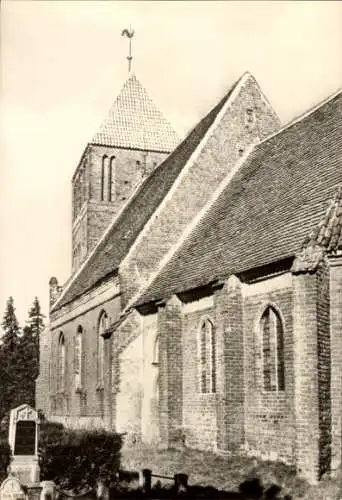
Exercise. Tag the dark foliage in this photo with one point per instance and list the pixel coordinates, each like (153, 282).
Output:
(76, 459)
(19, 358)
(251, 488)
(35, 327)
(9, 359)
(5, 457)
(50, 432)
(248, 490)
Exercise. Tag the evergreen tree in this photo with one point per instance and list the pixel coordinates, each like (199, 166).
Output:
(29, 351)
(28, 369)
(19, 357)
(36, 325)
(9, 359)
(11, 329)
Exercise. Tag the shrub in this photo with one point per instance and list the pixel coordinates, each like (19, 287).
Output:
(76, 459)
(5, 458)
(50, 432)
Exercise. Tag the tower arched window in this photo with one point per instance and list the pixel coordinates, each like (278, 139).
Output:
(104, 177)
(61, 363)
(103, 323)
(107, 177)
(84, 182)
(111, 180)
(78, 357)
(207, 357)
(272, 334)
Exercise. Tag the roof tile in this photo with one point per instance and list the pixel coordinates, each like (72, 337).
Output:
(267, 209)
(325, 237)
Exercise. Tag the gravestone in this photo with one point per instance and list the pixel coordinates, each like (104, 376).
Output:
(23, 440)
(11, 489)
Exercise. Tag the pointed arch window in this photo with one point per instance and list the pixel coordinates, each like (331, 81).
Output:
(78, 357)
(61, 363)
(111, 173)
(107, 177)
(104, 182)
(272, 333)
(103, 323)
(207, 357)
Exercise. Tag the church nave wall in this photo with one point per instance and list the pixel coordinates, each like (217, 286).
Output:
(80, 375)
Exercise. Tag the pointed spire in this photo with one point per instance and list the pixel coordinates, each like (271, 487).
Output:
(134, 122)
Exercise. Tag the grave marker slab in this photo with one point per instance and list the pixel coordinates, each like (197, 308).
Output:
(23, 440)
(11, 489)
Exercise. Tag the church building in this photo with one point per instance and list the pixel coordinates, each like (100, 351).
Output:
(204, 304)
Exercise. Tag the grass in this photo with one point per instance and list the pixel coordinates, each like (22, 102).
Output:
(208, 469)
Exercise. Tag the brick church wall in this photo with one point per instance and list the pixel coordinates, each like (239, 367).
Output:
(127, 381)
(240, 414)
(171, 370)
(130, 389)
(270, 430)
(129, 168)
(43, 380)
(335, 284)
(306, 375)
(199, 410)
(91, 407)
(230, 366)
(324, 368)
(151, 365)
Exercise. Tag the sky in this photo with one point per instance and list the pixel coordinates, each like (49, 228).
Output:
(64, 62)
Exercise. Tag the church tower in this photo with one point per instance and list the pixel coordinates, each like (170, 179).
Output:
(131, 142)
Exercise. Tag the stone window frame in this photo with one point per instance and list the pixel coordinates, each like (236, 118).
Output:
(61, 363)
(277, 378)
(78, 358)
(208, 366)
(102, 325)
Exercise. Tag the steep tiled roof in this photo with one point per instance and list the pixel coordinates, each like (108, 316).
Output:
(135, 122)
(267, 209)
(325, 237)
(110, 251)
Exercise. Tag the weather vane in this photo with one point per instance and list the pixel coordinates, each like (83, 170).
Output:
(129, 33)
